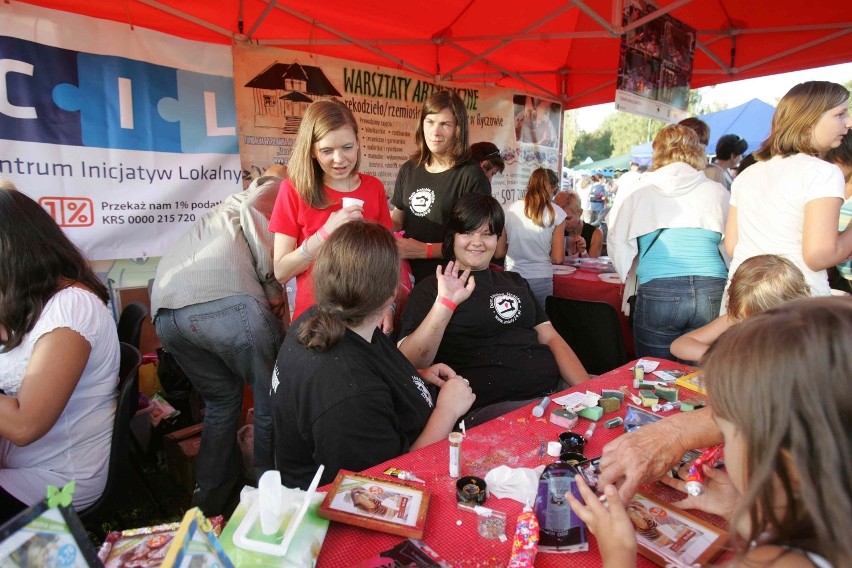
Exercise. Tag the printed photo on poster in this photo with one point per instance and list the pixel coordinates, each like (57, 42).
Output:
(537, 121)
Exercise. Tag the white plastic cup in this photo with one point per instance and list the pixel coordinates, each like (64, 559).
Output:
(348, 201)
(270, 502)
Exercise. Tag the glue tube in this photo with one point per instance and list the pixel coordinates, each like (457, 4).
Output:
(455, 440)
(538, 409)
(525, 545)
(695, 477)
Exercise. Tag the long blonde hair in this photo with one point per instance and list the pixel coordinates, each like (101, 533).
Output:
(782, 378)
(321, 117)
(795, 117)
(763, 282)
(538, 197)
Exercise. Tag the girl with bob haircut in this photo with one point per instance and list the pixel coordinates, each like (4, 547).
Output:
(788, 441)
(343, 395)
(582, 238)
(55, 419)
(666, 236)
(788, 203)
(535, 231)
(485, 324)
(323, 170)
(438, 173)
(760, 283)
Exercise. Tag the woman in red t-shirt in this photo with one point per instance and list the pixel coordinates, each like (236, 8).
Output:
(323, 172)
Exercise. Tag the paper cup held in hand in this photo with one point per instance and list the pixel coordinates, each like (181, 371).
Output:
(349, 201)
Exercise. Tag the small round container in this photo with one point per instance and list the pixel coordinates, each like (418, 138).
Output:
(572, 442)
(471, 490)
(572, 458)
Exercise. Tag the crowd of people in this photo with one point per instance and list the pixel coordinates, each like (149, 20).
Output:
(723, 275)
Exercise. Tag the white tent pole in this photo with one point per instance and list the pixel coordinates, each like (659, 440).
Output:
(261, 18)
(504, 71)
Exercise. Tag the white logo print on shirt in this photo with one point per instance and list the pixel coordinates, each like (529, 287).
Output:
(275, 381)
(421, 201)
(507, 307)
(421, 386)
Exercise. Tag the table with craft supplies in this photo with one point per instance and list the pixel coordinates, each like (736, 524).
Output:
(517, 440)
(577, 284)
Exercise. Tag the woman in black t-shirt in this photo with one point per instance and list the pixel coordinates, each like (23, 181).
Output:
(342, 393)
(485, 324)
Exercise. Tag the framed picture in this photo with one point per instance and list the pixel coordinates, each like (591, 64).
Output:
(670, 536)
(376, 504)
(46, 536)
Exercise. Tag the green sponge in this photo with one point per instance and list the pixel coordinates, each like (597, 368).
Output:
(609, 404)
(692, 404)
(612, 393)
(591, 413)
(649, 399)
(668, 393)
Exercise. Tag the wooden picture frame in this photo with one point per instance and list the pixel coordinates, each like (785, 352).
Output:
(669, 536)
(376, 504)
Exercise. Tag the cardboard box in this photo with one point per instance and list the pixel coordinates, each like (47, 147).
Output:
(181, 449)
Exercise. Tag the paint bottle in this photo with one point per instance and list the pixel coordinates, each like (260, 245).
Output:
(525, 545)
(455, 440)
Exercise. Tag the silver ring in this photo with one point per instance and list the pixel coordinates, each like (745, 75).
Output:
(467, 382)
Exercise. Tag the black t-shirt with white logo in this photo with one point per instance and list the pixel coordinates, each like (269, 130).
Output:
(491, 340)
(427, 200)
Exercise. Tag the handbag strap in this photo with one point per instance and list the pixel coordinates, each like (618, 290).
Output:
(657, 236)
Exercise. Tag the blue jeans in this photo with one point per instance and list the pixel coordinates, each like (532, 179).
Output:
(222, 345)
(541, 289)
(667, 308)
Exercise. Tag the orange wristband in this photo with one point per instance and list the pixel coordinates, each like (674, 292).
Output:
(447, 302)
(323, 234)
(429, 252)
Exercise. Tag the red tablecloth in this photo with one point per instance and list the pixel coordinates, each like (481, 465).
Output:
(585, 285)
(514, 440)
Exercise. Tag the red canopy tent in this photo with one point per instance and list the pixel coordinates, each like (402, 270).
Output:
(567, 50)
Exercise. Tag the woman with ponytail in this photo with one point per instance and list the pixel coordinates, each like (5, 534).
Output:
(342, 393)
(535, 234)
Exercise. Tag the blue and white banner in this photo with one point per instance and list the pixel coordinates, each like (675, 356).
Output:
(124, 134)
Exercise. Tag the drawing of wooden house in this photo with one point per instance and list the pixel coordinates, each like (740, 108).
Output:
(283, 91)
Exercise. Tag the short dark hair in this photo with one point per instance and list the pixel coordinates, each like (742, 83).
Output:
(730, 145)
(699, 126)
(468, 214)
(481, 151)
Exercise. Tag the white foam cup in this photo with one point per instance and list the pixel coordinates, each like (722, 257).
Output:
(348, 201)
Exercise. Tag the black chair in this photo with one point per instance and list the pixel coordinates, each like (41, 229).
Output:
(130, 323)
(119, 457)
(592, 329)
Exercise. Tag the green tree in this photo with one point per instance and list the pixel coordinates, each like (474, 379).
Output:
(627, 130)
(596, 145)
(570, 132)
